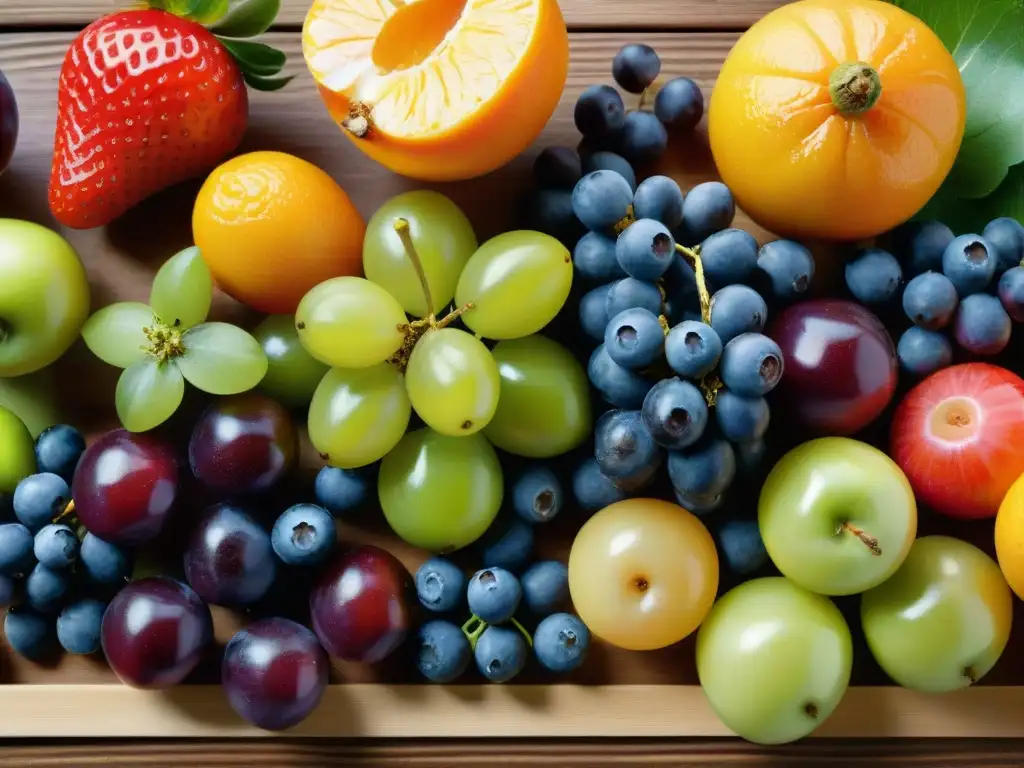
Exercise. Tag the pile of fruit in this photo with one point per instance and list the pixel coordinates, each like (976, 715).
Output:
(475, 392)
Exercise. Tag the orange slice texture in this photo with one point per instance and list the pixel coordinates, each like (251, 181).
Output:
(438, 90)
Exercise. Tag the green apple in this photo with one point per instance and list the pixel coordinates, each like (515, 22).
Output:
(774, 660)
(943, 619)
(17, 451)
(837, 516)
(44, 296)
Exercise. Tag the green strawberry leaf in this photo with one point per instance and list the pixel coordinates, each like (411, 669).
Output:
(260, 83)
(203, 12)
(255, 58)
(972, 215)
(248, 18)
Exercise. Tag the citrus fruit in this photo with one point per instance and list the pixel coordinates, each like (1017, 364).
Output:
(438, 89)
(271, 226)
(1009, 535)
(836, 119)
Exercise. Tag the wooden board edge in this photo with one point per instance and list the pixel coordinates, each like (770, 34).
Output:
(551, 711)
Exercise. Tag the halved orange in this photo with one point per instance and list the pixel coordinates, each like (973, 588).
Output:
(438, 89)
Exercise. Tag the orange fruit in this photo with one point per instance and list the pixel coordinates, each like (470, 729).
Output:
(438, 89)
(270, 226)
(1009, 535)
(836, 119)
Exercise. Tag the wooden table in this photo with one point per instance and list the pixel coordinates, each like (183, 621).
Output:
(693, 37)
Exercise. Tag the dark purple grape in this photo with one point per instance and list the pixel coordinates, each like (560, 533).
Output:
(679, 104)
(635, 67)
(557, 168)
(599, 111)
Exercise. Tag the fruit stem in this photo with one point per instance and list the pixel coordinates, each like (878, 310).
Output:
(971, 675)
(854, 87)
(473, 628)
(402, 228)
(454, 315)
(869, 541)
(164, 340)
(626, 220)
(710, 384)
(522, 631)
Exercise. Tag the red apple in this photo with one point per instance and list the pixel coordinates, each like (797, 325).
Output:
(840, 365)
(959, 438)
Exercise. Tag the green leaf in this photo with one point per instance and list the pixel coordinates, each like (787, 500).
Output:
(267, 84)
(248, 18)
(986, 37)
(148, 394)
(114, 333)
(255, 58)
(203, 12)
(973, 215)
(182, 289)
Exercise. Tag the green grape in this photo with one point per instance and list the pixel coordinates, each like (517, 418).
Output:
(544, 408)
(182, 289)
(148, 393)
(221, 359)
(438, 492)
(517, 283)
(33, 398)
(292, 373)
(452, 381)
(443, 240)
(358, 414)
(349, 322)
(114, 333)
(17, 451)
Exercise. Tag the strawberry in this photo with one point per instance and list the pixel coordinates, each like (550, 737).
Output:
(146, 99)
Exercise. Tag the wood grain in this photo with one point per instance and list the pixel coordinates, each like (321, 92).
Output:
(592, 14)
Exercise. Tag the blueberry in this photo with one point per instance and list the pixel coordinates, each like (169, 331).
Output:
(930, 300)
(679, 104)
(593, 312)
(56, 546)
(588, 145)
(58, 449)
(603, 160)
(545, 587)
(16, 555)
(442, 651)
(508, 544)
(874, 276)
(1011, 292)
(737, 309)
(750, 455)
(500, 654)
(40, 498)
(537, 495)
(45, 588)
(551, 211)
(922, 352)
(440, 585)
(970, 262)
(593, 489)
(560, 642)
(493, 595)
(629, 292)
(742, 547)
(693, 349)
(643, 138)
(304, 534)
(78, 626)
(601, 200)
(557, 168)
(622, 444)
(342, 490)
(789, 266)
(599, 111)
(105, 563)
(729, 256)
(920, 245)
(645, 249)
(29, 634)
(634, 338)
(594, 258)
(661, 199)
(675, 413)
(681, 282)
(697, 504)
(740, 418)
(1006, 236)
(707, 208)
(618, 386)
(982, 325)
(8, 591)
(635, 67)
(705, 471)
(751, 365)
(641, 478)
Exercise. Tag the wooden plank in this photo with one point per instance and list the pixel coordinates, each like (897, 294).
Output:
(604, 14)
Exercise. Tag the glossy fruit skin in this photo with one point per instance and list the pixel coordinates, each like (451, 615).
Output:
(292, 373)
(39, 498)
(125, 487)
(851, 376)
(438, 492)
(816, 489)
(767, 651)
(44, 296)
(155, 631)
(362, 604)
(959, 437)
(58, 449)
(274, 673)
(258, 206)
(942, 621)
(15, 461)
(229, 560)
(1009, 537)
(243, 444)
(643, 573)
(8, 122)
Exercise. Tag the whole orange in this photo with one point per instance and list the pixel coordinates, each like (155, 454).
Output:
(438, 89)
(836, 119)
(1009, 535)
(270, 226)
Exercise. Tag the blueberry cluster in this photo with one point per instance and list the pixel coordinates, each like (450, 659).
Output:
(55, 576)
(968, 288)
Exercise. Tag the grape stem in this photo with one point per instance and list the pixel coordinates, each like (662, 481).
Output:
(522, 631)
(869, 541)
(473, 628)
(402, 229)
(711, 383)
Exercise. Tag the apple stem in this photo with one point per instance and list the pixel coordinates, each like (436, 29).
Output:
(869, 541)
(970, 674)
(402, 228)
